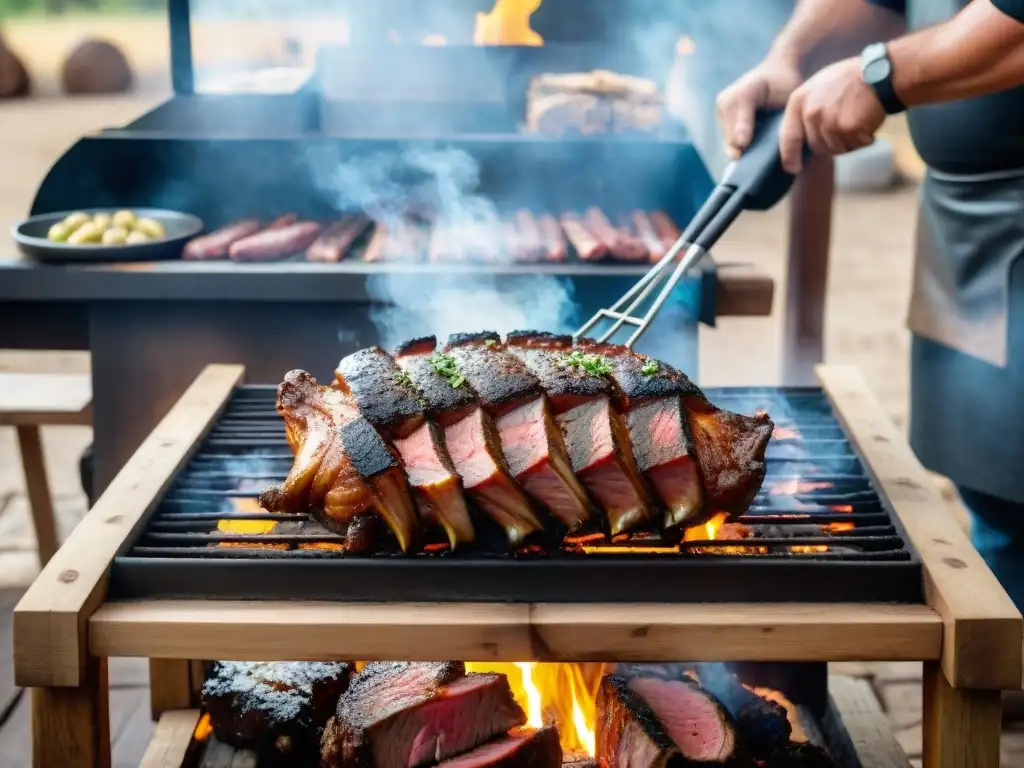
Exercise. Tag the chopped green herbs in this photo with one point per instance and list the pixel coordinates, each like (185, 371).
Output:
(587, 362)
(445, 365)
(650, 368)
(490, 343)
(404, 379)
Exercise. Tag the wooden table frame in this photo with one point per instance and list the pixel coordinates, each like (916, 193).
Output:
(968, 633)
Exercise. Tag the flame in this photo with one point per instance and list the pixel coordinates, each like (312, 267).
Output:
(508, 23)
(717, 529)
(842, 509)
(838, 527)
(565, 694)
(203, 728)
(246, 506)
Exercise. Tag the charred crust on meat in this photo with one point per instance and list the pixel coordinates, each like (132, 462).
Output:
(498, 377)
(633, 381)
(384, 396)
(538, 339)
(423, 345)
(365, 448)
(618, 686)
(478, 338)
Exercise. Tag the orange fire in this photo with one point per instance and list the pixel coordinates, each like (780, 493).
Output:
(564, 694)
(792, 714)
(508, 23)
(203, 728)
(717, 529)
(246, 506)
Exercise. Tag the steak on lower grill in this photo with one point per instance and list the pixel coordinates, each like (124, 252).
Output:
(520, 748)
(275, 707)
(650, 722)
(530, 438)
(405, 715)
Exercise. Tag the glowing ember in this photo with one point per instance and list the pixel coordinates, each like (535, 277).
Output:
(717, 529)
(246, 506)
(843, 509)
(565, 694)
(203, 728)
(838, 527)
(808, 549)
(507, 24)
(792, 714)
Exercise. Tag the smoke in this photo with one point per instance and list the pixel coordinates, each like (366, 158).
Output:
(401, 189)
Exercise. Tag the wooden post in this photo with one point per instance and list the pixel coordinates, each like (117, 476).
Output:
(810, 232)
(961, 725)
(40, 502)
(172, 685)
(71, 726)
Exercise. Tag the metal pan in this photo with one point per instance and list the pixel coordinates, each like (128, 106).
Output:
(30, 236)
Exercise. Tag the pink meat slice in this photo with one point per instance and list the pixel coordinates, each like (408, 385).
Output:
(520, 748)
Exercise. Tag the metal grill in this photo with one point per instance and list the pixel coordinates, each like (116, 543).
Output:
(818, 531)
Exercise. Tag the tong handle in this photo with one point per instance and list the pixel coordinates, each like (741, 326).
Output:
(758, 174)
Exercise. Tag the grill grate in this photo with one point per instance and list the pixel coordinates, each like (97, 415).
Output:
(818, 531)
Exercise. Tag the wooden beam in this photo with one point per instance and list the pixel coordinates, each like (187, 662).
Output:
(961, 726)
(171, 739)
(170, 686)
(45, 398)
(982, 630)
(866, 725)
(287, 630)
(50, 622)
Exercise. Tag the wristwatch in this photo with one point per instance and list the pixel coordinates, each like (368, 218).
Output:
(876, 71)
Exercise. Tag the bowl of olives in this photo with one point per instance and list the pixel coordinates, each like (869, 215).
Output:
(135, 234)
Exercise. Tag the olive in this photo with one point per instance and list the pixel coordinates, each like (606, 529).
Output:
(124, 219)
(87, 234)
(137, 238)
(115, 236)
(77, 219)
(59, 232)
(102, 220)
(151, 227)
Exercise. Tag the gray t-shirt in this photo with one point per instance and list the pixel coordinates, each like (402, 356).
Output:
(971, 136)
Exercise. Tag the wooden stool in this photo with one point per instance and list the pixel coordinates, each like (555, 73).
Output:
(28, 401)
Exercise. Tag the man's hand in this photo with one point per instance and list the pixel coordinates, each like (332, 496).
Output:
(767, 86)
(834, 112)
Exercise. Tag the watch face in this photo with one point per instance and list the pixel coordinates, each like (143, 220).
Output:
(877, 71)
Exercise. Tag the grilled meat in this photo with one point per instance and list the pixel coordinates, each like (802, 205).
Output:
(215, 245)
(641, 226)
(470, 437)
(595, 434)
(666, 228)
(376, 249)
(588, 246)
(555, 247)
(802, 755)
(762, 724)
(530, 244)
(336, 239)
(343, 469)
(651, 722)
(728, 447)
(520, 748)
(406, 715)
(389, 400)
(531, 440)
(275, 242)
(619, 243)
(275, 708)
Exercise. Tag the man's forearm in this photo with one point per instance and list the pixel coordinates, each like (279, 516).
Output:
(979, 51)
(823, 31)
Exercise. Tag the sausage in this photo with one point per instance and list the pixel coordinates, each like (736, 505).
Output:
(553, 238)
(377, 246)
(588, 247)
(335, 241)
(530, 240)
(620, 245)
(666, 228)
(276, 243)
(283, 221)
(644, 229)
(215, 245)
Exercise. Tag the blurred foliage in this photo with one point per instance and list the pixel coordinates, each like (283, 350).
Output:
(14, 8)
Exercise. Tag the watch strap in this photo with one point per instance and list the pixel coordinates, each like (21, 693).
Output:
(883, 87)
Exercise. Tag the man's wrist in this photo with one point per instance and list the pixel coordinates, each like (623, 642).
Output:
(908, 66)
(788, 51)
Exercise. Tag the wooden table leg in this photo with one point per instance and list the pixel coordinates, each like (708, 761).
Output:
(39, 500)
(961, 726)
(173, 684)
(71, 726)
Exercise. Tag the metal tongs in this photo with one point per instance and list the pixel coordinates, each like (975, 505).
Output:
(754, 182)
